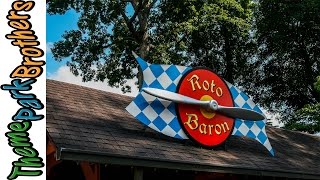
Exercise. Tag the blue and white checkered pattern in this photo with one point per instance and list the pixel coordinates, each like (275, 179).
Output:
(252, 129)
(160, 114)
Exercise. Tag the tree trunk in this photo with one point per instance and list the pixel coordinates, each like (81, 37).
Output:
(144, 45)
(228, 74)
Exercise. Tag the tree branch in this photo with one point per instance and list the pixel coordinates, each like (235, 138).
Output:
(152, 4)
(128, 22)
(182, 38)
(107, 45)
(134, 4)
(138, 10)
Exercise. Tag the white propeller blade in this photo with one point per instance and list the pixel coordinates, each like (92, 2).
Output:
(175, 97)
(234, 112)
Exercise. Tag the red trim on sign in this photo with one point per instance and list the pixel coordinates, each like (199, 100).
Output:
(209, 129)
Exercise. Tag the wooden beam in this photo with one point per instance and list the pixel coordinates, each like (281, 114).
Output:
(90, 171)
(51, 148)
(51, 162)
(51, 158)
(138, 173)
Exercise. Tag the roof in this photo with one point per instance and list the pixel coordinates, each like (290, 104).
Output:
(91, 125)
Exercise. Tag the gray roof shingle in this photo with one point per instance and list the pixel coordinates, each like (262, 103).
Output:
(89, 124)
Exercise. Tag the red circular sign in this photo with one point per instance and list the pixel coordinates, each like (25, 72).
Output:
(205, 127)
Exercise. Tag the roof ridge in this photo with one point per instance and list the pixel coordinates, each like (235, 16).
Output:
(297, 132)
(86, 87)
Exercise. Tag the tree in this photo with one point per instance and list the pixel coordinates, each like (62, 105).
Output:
(193, 32)
(107, 33)
(214, 34)
(288, 35)
(307, 119)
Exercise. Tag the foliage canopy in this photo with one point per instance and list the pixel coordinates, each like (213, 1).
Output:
(198, 33)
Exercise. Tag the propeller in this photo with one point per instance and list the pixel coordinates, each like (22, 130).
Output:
(233, 112)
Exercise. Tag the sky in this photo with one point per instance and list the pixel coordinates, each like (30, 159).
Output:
(56, 26)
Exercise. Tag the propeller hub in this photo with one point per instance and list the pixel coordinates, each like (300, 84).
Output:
(213, 105)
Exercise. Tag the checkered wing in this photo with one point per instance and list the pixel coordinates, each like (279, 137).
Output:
(252, 129)
(160, 114)
(156, 113)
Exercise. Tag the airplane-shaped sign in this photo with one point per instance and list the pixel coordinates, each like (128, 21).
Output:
(196, 104)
